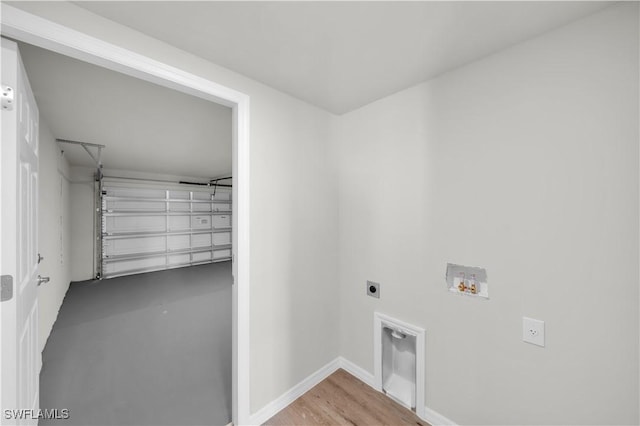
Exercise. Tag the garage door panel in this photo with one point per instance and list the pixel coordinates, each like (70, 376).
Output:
(179, 206)
(179, 223)
(201, 222)
(201, 240)
(118, 247)
(129, 224)
(178, 242)
(147, 226)
(221, 221)
(128, 206)
(201, 256)
(201, 207)
(117, 191)
(202, 196)
(179, 259)
(221, 254)
(222, 196)
(179, 195)
(221, 238)
(134, 265)
(220, 207)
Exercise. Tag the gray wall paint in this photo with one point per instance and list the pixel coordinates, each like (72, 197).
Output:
(293, 213)
(54, 231)
(525, 163)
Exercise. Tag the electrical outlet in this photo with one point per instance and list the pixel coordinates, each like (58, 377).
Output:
(533, 331)
(373, 289)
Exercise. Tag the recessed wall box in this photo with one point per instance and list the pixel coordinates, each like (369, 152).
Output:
(399, 360)
(467, 280)
(373, 289)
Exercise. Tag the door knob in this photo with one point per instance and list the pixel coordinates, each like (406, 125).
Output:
(42, 280)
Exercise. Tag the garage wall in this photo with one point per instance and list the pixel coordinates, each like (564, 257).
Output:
(82, 211)
(524, 163)
(54, 230)
(293, 213)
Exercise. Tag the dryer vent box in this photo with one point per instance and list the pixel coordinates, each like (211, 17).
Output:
(399, 361)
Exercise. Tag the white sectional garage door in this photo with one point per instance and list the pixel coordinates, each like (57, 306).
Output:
(149, 227)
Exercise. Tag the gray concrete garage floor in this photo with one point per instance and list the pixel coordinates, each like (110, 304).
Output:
(148, 349)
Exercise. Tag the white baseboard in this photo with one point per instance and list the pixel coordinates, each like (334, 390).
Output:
(265, 413)
(356, 371)
(436, 419)
(272, 408)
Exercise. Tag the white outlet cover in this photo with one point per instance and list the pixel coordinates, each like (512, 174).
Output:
(533, 331)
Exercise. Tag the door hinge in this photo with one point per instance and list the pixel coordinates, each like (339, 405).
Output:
(6, 287)
(7, 98)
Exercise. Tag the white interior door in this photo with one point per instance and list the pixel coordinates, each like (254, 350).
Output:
(20, 357)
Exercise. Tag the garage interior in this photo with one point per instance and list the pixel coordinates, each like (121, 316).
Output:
(142, 188)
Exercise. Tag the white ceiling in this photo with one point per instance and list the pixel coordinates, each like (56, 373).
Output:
(342, 55)
(145, 127)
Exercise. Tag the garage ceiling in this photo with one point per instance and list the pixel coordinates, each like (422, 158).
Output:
(342, 55)
(145, 127)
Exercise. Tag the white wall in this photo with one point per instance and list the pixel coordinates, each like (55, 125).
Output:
(54, 231)
(294, 312)
(82, 228)
(525, 163)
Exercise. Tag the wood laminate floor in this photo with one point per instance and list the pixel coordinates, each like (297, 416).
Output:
(341, 399)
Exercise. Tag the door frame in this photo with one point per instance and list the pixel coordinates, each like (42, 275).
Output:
(35, 30)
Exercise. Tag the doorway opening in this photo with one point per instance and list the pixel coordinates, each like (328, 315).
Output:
(27, 28)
